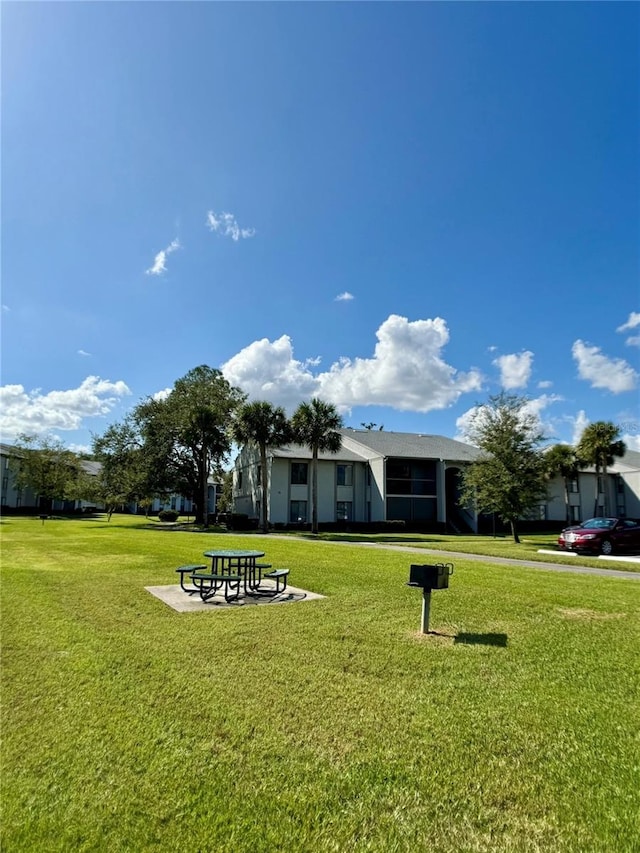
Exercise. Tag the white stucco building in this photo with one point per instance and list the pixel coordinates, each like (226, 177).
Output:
(381, 476)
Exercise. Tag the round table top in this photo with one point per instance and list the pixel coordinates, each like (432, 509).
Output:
(234, 554)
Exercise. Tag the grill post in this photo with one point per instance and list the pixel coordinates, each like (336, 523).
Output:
(426, 607)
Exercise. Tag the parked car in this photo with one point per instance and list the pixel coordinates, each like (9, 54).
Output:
(602, 535)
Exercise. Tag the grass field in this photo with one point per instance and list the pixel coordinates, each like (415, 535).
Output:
(328, 725)
(489, 546)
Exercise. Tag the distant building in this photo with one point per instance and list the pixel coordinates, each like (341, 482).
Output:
(185, 506)
(623, 492)
(374, 477)
(12, 498)
(380, 476)
(27, 500)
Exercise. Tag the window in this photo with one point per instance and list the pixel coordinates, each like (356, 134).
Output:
(574, 486)
(411, 477)
(239, 481)
(412, 509)
(298, 512)
(5, 484)
(258, 475)
(344, 475)
(299, 473)
(344, 511)
(575, 513)
(173, 503)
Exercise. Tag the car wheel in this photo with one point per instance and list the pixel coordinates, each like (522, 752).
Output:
(606, 547)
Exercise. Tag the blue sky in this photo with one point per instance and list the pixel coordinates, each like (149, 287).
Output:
(399, 207)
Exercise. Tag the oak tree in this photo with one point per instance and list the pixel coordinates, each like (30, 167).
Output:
(509, 477)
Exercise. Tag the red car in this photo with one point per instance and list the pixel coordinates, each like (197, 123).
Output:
(602, 535)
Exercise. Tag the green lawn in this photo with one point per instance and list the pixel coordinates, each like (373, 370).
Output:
(327, 725)
(489, 546)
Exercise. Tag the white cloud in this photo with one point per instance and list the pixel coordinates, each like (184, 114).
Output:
(344, 297)
(534, 407)
(464, 423)
(515, 369)
(162, 395)
(406, 372)
(632, 323)
(614, 374)
(268, 371)
(35, 413)
(537, 405)
(226, 225)
(545, 383)
(78, 448)
(632, 441)
(83, 352)
(580, 422)
(159, 265)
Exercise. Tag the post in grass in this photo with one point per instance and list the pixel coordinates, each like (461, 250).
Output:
(428, 578)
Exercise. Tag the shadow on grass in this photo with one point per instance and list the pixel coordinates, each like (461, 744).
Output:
(482, 640)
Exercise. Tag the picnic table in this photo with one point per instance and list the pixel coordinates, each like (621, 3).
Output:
(235, 572)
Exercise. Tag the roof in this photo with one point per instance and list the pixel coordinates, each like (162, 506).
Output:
(627, 463)
(8, 449)
(90, 466)
(410, 445)
(298, 451)
(361, 445)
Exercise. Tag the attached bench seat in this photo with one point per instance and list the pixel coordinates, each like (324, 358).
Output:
(189, 570)
(280, 576)
(209, 583)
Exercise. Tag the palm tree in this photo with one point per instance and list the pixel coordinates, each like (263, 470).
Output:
(262, 425)
(316, 424)
(561, 461)
(600, 445)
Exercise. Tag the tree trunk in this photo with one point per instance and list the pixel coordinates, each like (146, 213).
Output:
(265, 491)
(314, 491)
(595, 502)
(514, 531)
(205, 499)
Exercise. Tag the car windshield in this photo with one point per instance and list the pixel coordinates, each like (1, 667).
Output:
(599, 523)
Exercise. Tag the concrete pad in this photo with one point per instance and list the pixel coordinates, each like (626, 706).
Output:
(185, 602)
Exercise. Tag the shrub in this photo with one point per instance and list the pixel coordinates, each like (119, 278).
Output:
(241, 521)
(168, 515)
